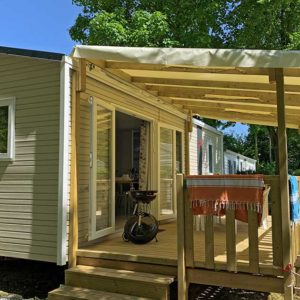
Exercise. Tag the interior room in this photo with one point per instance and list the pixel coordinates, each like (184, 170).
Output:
(131, 143)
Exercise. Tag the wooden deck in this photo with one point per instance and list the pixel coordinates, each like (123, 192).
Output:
(164, 251)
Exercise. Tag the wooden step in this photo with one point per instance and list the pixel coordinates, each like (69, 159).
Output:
(75, 293)
(126, 282)
(114, 263)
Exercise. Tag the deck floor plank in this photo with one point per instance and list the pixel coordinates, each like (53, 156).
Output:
(165, 248)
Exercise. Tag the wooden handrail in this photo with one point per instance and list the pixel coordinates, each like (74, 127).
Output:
(185, 236)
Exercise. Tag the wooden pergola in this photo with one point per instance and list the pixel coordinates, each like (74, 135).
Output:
(250, 86)
(234, 85)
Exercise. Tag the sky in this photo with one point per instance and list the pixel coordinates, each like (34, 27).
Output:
(238, 129)
(37, 24)
(43, 25)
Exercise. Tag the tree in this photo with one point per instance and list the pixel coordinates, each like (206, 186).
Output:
(113, 29)
(294, 150)
(263, 24)
(260, 24)
(234, 143)
(186, 23)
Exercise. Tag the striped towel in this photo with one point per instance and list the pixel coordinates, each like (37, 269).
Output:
(213, 194)
(294, 199)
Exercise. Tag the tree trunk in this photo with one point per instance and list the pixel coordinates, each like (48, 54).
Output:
(274, 140)
(256, 147)
(270, 149)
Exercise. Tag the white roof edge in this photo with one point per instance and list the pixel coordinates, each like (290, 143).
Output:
(241, 155)
(193, 56)
(208, 127)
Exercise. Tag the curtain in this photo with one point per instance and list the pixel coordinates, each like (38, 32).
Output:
(144, 156)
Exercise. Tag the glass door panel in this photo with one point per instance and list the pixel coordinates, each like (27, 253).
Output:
(102, 198)
(167, 171)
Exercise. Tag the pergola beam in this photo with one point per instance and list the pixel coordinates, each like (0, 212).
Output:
(221, 114)
(256, 86)
(291, 72)
(218, 99)
(268, 97)
(243, 117)
(255, 109)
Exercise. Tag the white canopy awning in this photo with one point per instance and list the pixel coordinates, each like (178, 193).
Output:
(226, 84)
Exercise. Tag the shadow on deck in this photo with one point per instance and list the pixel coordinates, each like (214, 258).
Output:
(164, 252)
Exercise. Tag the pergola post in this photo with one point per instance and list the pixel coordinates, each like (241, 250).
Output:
(78, 85)
(181, 251)
(283, 179)
(73, 236)
(187, 147)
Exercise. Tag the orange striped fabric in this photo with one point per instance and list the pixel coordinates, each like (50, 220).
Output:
(213, 194)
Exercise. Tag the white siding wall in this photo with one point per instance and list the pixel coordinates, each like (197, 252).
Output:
(247, 163)
(193, 151)
(208, 137)
(211, 138)
(29, 184)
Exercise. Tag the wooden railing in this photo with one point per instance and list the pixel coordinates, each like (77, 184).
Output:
(186, 255)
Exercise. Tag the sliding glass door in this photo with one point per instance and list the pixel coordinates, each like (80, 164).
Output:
(170, 162)
(102, 204)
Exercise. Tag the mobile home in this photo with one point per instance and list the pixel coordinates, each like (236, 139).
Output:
(125, 137)
(34, 97)
(205, 149)
(235, 163)
(73, 126)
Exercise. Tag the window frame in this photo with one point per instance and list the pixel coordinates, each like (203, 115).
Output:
(199, 150)
(234, 167)
(11, 103)
(229, 166)
(211, 167)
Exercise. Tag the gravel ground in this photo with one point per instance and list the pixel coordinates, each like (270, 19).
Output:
(24, 279)
(28, 278)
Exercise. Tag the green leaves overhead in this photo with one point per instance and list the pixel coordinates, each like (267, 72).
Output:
(256, 24)
(260, 24)
(113, 29)
(147, 23)
(107, 29)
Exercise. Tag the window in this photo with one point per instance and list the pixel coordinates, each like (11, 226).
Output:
(210, 159)
(229, 167)
(167, 157)
(234, 167)
(7, 128)
(199, 149)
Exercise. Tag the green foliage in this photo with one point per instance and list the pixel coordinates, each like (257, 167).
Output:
(293, 149)
(266, 168)
(154, 23)
(260, 24)
(234, 143)
(150, 29)
(106, 27)
(114, 29)
(246, 146)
